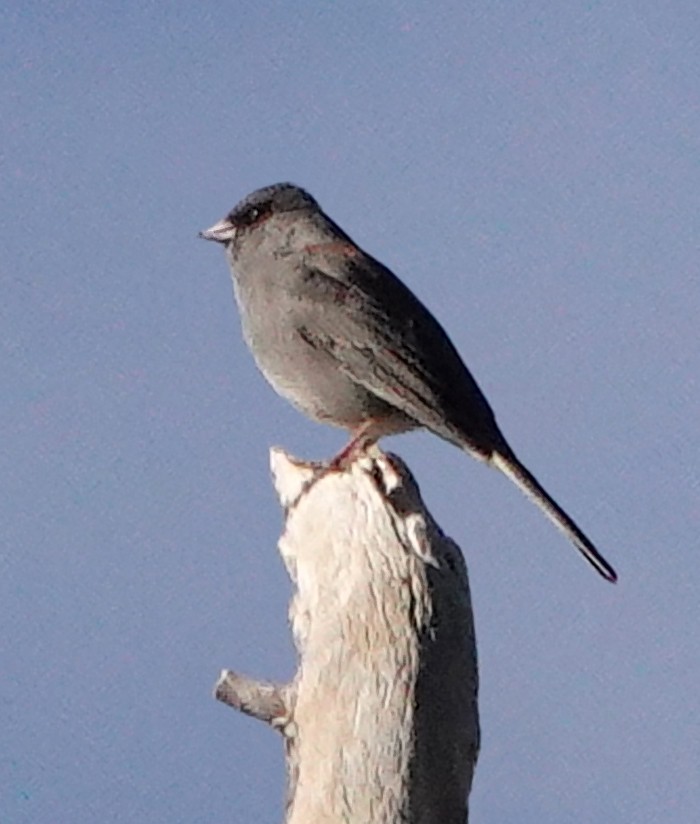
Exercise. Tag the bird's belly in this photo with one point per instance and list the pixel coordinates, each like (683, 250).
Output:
(313, 382)
(309, 377)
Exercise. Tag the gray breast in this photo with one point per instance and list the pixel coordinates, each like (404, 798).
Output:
(307, 376)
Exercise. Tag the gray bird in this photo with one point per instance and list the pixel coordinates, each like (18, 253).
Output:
(340, 336)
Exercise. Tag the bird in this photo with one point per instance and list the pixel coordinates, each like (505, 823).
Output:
(342, 338)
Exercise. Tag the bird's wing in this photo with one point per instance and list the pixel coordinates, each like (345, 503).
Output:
(382, 337)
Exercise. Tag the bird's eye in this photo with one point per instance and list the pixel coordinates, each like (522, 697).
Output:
(251, 215)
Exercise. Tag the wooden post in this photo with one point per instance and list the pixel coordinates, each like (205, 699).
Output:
(380, 721)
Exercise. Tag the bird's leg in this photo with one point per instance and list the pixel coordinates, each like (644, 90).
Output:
(361, 439)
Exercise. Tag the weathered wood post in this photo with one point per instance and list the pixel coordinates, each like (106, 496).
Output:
(380, 721)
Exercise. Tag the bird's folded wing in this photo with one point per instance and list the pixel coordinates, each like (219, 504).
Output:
(383, 338)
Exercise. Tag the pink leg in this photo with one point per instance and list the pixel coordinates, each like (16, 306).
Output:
(361, 439)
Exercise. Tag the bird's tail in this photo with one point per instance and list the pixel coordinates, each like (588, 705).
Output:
(526, 481)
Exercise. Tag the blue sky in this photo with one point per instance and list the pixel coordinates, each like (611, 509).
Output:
(532, 171)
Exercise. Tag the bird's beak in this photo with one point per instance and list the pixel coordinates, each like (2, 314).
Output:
(221, 232)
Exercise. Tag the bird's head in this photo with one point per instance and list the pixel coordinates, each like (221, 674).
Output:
(259, 207)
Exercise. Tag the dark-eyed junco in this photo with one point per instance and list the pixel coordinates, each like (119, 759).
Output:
(341, 337)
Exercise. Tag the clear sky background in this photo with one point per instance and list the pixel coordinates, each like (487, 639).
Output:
(532, 171)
